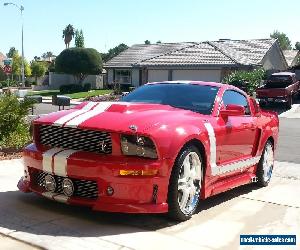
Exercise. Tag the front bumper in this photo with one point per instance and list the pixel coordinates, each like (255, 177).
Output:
(132, 194)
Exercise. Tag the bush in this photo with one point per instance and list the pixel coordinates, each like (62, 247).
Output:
(248, 81)
(87, 87)
(14, 130)
(70, 88)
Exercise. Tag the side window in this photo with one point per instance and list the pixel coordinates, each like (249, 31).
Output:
(233, 97)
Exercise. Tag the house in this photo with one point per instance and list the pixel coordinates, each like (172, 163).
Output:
(292, 57)
(207, 61)
(2, 57)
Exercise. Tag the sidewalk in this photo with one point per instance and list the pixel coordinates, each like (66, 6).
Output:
(10, 243)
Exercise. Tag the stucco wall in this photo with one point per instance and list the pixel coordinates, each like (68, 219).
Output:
(110, 76)
(56, 80)
(274, 60)
(135, 77)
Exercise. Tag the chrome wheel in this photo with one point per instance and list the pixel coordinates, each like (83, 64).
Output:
(189, 183)
(268, 162)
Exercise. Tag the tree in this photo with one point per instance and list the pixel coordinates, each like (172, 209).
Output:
(79, 62)
(17, 64)
(68, 34)
(283, 40)
(147, 42)
(38, 69)
(297, 45)
(79, 39)
(159, 41)
(114, 52)
(48, 55)
(12, 51)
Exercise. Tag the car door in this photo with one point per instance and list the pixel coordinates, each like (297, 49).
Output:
(236, 134)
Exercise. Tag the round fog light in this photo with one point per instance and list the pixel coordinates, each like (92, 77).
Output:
(110, 191)
(67, 187)
(50, 183)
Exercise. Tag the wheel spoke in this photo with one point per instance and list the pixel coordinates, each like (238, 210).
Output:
(184, 198)
(186, 167)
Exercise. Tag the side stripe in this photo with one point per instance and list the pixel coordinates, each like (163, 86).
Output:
(222, 169)
(101, 107)
(61, 121)
(213, 148)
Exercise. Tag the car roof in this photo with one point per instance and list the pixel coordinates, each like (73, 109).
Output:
(283, 74)
(213, 84)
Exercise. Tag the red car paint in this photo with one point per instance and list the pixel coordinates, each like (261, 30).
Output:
(238, 139)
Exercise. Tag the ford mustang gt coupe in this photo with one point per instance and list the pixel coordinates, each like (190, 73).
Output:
(160, 149)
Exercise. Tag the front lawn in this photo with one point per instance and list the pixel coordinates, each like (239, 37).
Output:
(77, 95)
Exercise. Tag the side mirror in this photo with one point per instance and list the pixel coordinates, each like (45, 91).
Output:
(232, 110)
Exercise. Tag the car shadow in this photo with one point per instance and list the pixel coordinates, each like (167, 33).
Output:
(279, 107)
(36, 215)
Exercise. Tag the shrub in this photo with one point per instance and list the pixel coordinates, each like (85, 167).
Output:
(14, 130)
(249, 81)
(70, 88)
(87, 87)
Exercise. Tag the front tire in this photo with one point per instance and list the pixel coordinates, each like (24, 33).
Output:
(185, 184)
(265, 165)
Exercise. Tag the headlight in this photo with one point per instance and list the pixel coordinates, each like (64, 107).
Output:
(138, 145)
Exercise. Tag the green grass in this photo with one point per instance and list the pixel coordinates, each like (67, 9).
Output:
(77, 95)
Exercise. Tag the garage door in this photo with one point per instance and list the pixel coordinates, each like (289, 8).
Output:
(157, 75)
(197, 75)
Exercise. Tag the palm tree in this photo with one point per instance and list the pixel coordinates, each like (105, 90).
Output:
(68, 34)
(48, 55)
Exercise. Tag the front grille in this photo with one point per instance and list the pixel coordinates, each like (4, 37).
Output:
(83, 188)
(75, 138)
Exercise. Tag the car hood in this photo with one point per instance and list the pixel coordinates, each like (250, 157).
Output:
(118, 116)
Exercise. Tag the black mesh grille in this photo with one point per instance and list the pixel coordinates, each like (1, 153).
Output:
(83, 188)
(75, 138)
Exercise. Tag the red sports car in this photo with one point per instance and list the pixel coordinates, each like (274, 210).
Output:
(161, 149)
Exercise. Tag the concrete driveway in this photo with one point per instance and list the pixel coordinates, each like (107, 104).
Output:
(217, 225)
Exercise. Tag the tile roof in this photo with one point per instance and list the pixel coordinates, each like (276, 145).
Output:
(246, 52)
(141, 52)
(290, 56)
(222, 52)
(195, 55)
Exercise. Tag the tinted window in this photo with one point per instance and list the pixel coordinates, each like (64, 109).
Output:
(233, 97)
(198, 98)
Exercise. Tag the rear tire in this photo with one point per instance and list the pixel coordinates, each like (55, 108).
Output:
(185, 184)
(265, 165)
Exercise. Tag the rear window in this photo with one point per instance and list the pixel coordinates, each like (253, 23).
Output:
(279, 81)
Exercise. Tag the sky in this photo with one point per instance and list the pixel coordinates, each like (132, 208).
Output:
(106, 24)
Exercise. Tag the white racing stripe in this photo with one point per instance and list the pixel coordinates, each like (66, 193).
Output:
(213, 148)
(61, 162)
(222, 169)
(47, 159)
(61, 121)
(101, 107)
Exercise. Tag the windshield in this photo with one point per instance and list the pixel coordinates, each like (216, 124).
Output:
(197, 98)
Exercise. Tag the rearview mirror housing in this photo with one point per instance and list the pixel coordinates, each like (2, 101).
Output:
(232, 110)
